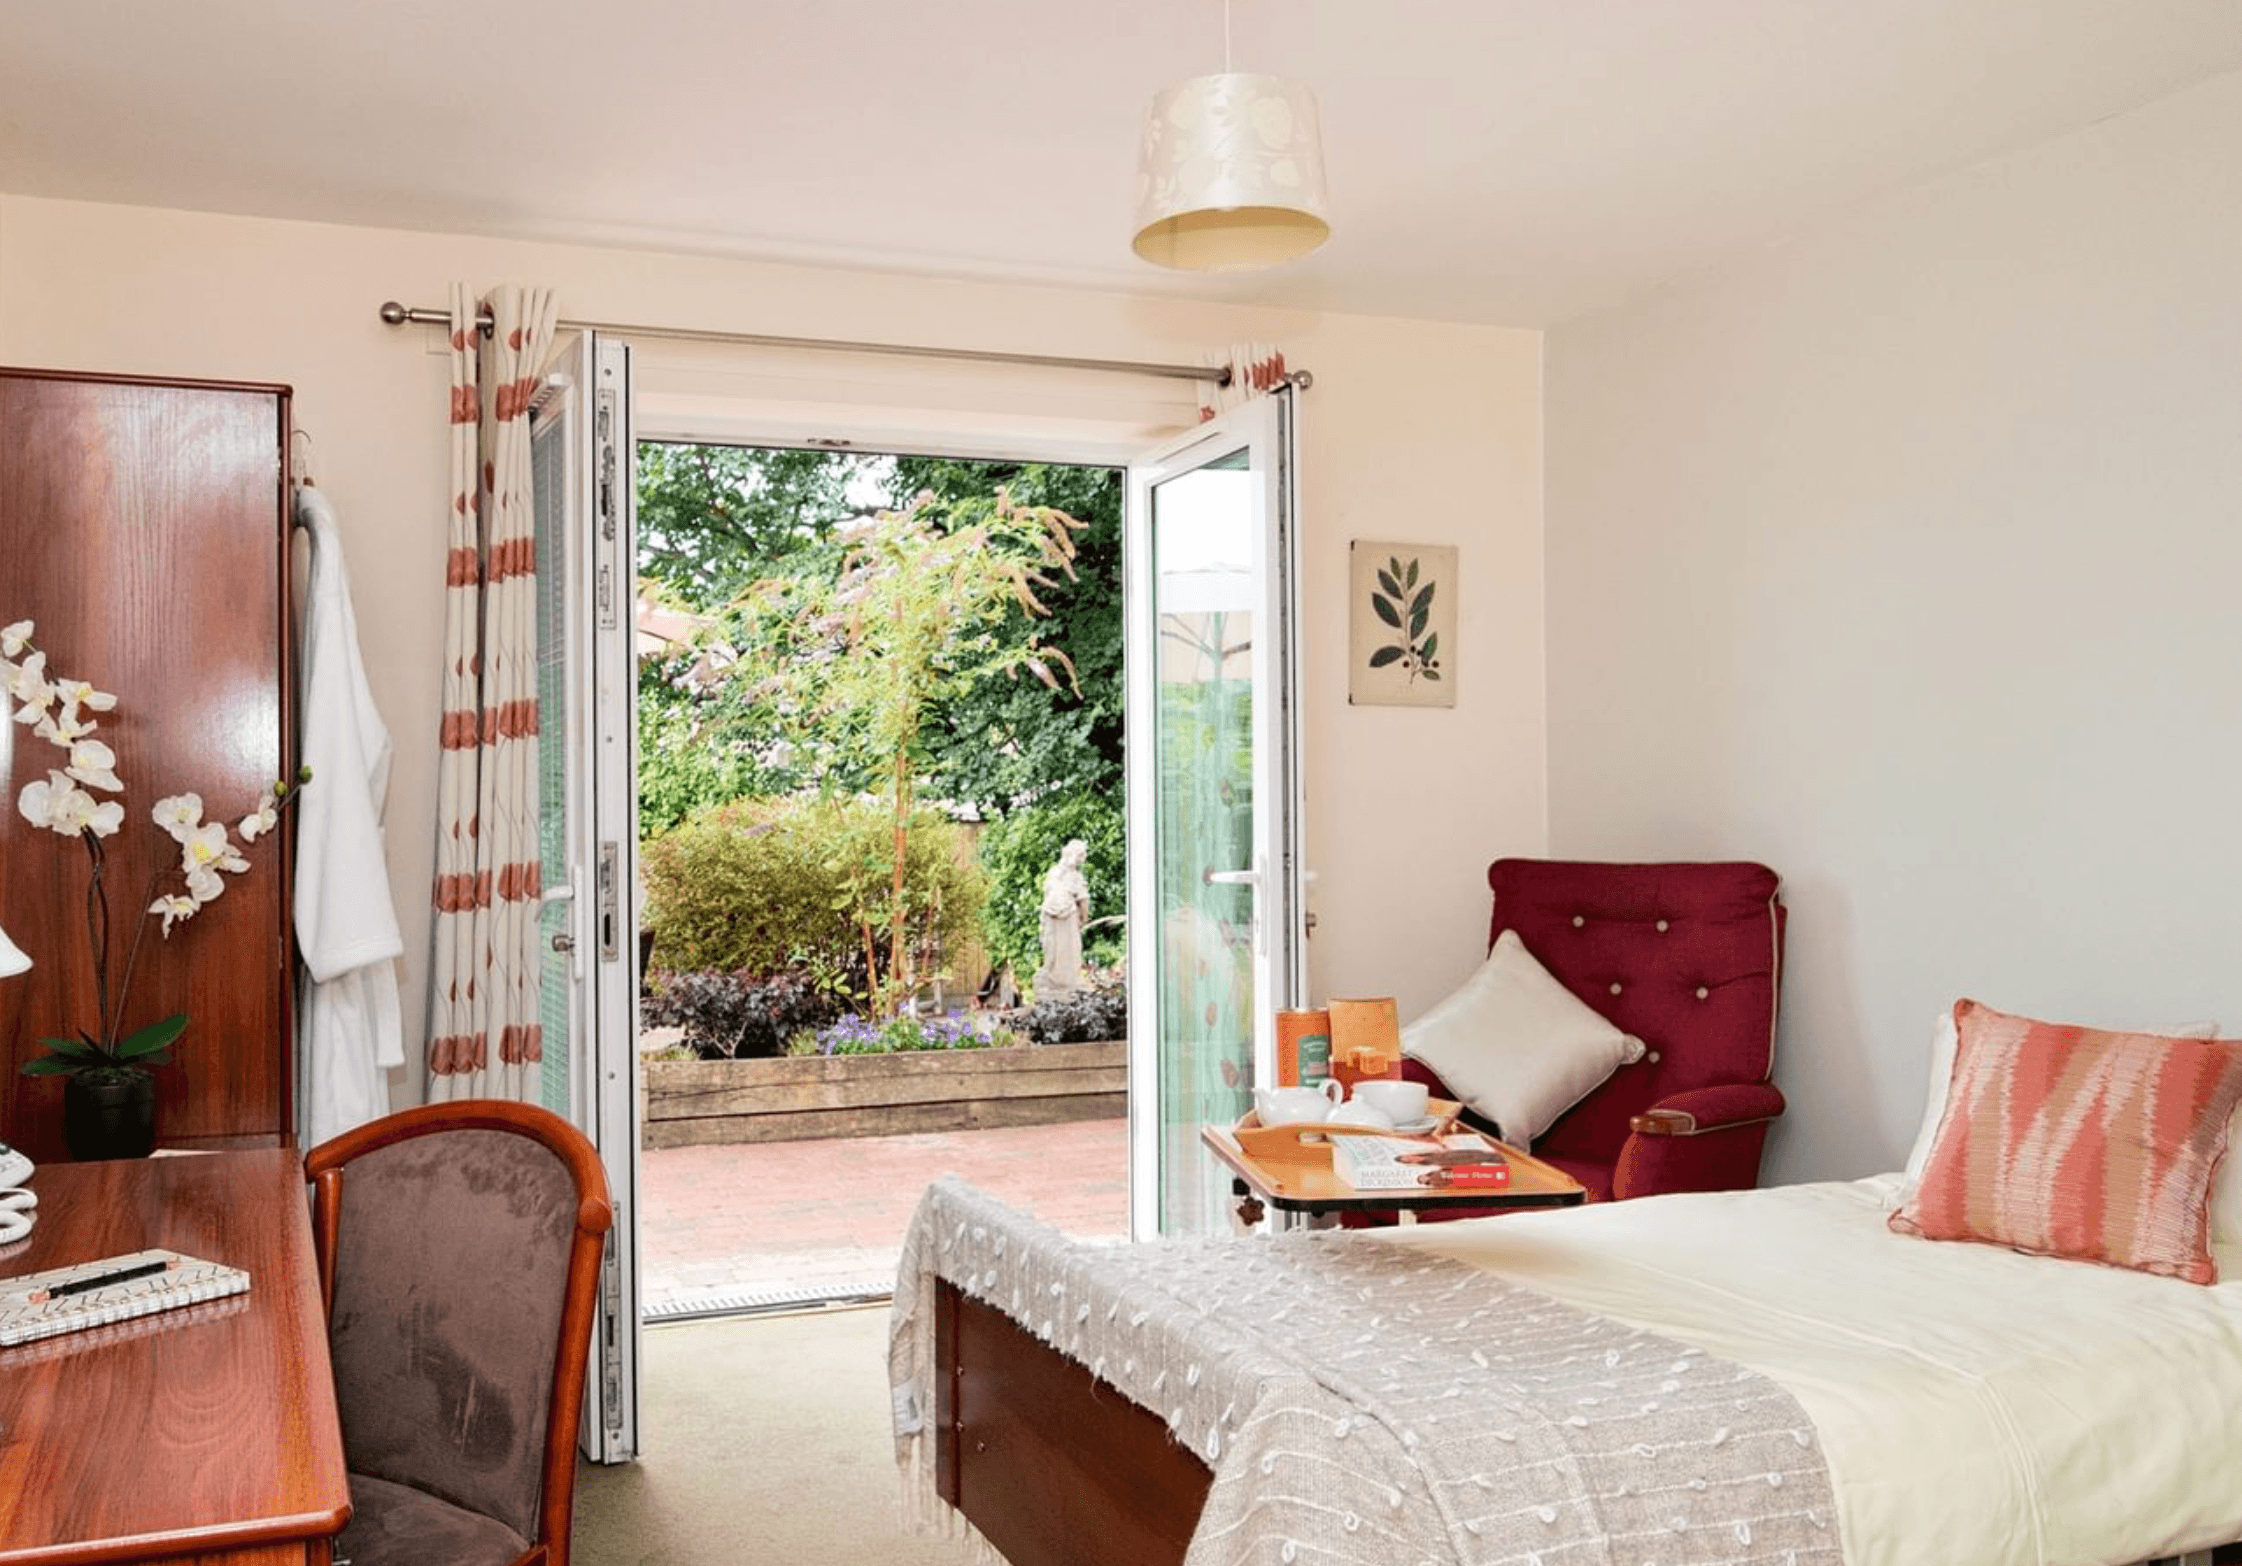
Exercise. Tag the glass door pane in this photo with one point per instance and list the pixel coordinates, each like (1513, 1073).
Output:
(1214, 802)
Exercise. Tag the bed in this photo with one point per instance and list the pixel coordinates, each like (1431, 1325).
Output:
(1963, 1404)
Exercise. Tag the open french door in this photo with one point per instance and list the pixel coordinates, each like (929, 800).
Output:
(581, 443)
(1216, 906)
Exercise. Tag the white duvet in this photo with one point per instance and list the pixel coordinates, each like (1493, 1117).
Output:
(1977, 1407)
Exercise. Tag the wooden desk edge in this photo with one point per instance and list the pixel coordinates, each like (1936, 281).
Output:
(301, 1530)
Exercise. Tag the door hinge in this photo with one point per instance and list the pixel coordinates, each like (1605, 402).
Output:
(607, 504)
(611, 1341)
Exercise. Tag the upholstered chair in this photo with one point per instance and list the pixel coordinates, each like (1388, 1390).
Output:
(1688, 958)
(459, 1253)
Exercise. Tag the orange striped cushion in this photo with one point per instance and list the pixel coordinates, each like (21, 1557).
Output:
(2074, 1142)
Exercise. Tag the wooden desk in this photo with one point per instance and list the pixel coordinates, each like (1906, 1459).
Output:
(197, 1436)
(1313, 1191)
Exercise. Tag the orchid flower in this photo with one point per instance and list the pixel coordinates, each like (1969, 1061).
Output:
(38, 802)
(204, 885)
(61, 806)
(27, 683)
(64, 727)
(179, 815)
(80, 693)
(14, 639)
(208, 848)
(261, 820)
(94, 764)
(174, 908)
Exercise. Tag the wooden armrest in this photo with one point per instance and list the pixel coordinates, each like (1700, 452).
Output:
(1663, 1122)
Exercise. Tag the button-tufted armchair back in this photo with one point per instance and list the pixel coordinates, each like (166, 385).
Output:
(1688, 958)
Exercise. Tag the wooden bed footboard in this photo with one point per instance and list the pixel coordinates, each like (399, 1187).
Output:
(1055, 1467)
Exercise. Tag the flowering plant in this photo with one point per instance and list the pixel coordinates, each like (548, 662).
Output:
(67, 802)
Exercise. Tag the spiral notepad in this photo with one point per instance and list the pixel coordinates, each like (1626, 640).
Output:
(185, 1280)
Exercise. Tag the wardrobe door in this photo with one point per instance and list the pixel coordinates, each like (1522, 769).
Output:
(143, 528)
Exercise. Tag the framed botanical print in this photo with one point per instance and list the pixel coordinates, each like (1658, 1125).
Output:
(1401, 625)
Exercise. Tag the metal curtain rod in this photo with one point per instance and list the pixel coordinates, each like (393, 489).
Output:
(398, 315)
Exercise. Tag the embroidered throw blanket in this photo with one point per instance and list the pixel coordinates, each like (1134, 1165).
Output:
(1358, 1403)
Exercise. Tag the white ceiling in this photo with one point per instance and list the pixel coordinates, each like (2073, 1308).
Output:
(1505, 161)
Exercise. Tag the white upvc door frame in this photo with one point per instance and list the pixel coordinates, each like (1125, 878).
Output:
(590, 389)
(1264, 429)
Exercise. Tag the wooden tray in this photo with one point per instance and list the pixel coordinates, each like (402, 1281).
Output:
(1305, 1144)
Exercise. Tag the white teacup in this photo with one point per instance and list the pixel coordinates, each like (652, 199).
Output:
(1356, 1112)
(1283, 1106)
(1399, 1102)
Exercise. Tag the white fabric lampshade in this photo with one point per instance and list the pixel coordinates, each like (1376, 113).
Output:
(12, 958)
(1231, 176)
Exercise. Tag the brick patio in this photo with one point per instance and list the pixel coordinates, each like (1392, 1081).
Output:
(727, 1228)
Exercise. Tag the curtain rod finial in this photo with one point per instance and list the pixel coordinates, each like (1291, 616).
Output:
(395, 314)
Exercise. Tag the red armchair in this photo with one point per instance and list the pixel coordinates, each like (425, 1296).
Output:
(1688, 958)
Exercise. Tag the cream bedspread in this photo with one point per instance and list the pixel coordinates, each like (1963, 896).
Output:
(1976, 1407)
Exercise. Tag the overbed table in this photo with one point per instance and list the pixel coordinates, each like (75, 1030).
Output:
(1307, 1193)
(197, 1436)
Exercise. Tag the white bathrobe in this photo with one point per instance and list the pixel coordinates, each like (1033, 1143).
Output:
(349, 1031)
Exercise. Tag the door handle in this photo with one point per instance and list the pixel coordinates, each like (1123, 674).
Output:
(1233, 878)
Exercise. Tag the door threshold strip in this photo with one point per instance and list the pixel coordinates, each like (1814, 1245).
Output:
(751, 1301)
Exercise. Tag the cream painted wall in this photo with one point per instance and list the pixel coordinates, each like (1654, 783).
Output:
(1904, 557)
(1414, 431)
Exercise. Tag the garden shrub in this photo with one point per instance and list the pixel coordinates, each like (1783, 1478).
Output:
(1018, 849)
(776, 886)
(1096, 1015)
(737, 1016)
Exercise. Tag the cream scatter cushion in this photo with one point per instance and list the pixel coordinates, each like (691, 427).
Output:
(1516, 1045)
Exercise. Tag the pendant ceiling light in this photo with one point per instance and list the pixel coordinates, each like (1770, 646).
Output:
(1231, 175)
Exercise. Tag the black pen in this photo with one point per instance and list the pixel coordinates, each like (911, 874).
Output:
(101, 1280)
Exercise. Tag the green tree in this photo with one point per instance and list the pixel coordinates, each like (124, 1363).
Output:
(714, 519)
(999, 744)
(918, 614)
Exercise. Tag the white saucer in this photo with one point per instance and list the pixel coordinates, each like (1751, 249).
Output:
(1424, 1123)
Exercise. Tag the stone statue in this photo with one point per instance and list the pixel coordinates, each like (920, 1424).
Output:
(1066, 909)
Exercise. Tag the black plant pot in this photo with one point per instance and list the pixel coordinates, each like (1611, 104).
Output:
(109, 1116)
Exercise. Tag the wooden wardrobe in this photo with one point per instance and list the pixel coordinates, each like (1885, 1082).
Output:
(144, 528)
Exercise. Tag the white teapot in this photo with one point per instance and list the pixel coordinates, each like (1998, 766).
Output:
(1359, 1112)
(1282, 1106)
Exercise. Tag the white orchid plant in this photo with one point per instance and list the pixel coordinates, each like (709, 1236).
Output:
(69, 802)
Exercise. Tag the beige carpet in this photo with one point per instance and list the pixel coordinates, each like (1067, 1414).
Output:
(765, 1443)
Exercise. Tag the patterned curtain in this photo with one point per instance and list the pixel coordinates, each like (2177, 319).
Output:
(484, 1040)
(1256, 369)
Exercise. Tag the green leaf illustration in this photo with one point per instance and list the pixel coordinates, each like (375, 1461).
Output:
(1384, 656)
(1387, 580)
(1431, 646)
(1413, 575)
(1386, 611)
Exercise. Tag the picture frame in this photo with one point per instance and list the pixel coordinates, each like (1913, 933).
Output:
(1401, 624)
